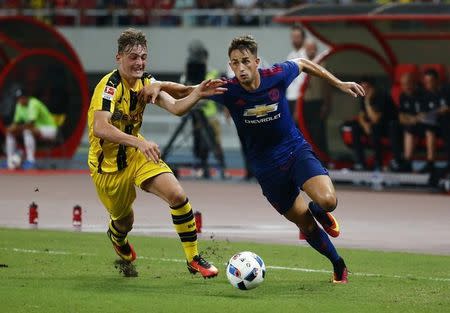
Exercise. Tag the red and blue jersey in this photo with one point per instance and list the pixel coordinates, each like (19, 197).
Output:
(262, 117)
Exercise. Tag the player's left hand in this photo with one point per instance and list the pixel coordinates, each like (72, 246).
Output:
(352, 88)
(149, 93)
(210, 87)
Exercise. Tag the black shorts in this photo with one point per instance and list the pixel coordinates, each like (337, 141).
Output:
(420, 129)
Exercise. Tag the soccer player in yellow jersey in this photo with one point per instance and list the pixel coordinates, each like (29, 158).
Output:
(120, 158)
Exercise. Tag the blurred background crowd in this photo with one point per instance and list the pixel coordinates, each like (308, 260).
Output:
(401, 125)
(163, 12)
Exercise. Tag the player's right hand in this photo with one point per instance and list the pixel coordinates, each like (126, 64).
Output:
(150, 150)
(210, 87)
(149, 93)
(352, 88)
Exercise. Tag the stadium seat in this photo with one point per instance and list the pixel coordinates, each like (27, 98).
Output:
(347, 138)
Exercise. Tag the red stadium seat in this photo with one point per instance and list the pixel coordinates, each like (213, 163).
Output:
(401, 69)
(347, 138)
(85, 5)
(395, 94)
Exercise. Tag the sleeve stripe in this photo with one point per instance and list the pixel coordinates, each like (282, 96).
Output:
(113, 81)
(106, 105)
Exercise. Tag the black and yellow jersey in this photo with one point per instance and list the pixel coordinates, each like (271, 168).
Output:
(113, 94)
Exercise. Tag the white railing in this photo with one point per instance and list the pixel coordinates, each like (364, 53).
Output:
(191, 17)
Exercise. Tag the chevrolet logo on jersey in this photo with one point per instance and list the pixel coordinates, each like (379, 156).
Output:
(261, 110)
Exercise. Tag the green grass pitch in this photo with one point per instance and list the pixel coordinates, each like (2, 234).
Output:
(54, 271)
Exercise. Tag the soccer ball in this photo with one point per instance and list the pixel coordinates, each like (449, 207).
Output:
(15, 162)
(246, 270)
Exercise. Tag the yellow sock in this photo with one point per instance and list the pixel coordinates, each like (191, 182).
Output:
(118, 237)
(184, 222)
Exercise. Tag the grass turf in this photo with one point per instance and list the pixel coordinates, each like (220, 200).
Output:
(52, 271)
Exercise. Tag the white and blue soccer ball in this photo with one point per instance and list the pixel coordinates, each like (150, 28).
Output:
(246, 270)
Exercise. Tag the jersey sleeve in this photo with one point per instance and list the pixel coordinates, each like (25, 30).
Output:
(218, 98)
(290, 71)
(222, 98)
(147, 78)
(107, 93)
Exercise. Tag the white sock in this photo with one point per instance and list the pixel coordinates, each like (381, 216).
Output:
(30, 144)
(10, 148)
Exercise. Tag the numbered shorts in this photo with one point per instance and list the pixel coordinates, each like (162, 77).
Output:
(117, 190)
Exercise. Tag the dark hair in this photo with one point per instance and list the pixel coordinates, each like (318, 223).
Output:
(431, 72)
(19, 92)
(300, 28)
(130, 38)
(243, 43)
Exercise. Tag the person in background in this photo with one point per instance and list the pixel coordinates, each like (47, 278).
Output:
(32, 121)
(317, 102)
(211, 111)
(444, 125)
(401, 131)
(293, 91)
(205, 121)
(377, 110)
(434, 105)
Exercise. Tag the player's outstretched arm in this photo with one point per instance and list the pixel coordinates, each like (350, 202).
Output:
(315, 69)
(150, 92)
(181, 106)
(176, 90)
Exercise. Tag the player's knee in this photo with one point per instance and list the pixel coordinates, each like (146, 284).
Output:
(177, 197)
(328, 202)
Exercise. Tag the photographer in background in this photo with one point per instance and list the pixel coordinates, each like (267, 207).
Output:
(205, 121)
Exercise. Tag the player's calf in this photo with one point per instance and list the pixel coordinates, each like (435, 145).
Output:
(120, 243)
(326, 219)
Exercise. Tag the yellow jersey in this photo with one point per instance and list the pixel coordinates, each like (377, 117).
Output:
(113, 94)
